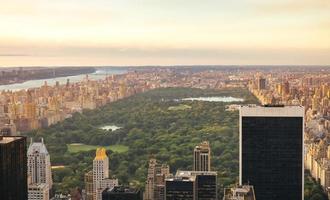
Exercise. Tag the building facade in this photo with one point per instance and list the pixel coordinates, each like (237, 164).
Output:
(271, 151)
(202, 157)
(179, 188)
(89, 185)
(13, 168)
(155, 184)
(101, 179)
(39, 167)
(194, 185)
(38, 191)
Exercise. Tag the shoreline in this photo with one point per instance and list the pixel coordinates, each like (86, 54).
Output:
(19, 76)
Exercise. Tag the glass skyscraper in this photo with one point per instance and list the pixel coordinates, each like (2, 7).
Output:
(13, 168)
(271, 151)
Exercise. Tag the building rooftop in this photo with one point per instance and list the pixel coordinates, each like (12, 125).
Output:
(37, 147)
(189, 175)
(8, 139)
(100, 154)
(121, 189)
(277, 111)
(242, 192)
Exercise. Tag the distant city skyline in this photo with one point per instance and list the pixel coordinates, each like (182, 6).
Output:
(157, 32)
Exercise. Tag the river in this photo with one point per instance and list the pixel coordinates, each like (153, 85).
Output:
(97, 75)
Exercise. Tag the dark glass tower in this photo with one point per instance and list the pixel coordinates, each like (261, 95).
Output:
(271, 151)
(179, 189)
(13, 168)
(194, 185)
(206, 186)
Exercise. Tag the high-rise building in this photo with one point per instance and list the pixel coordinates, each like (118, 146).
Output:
(286, 88)
(39, 167)
(202, 157)
(121, 193)
(155, 184)
(206, 185)
(13, 168)
(89, 185)
(261, 83)
(271, 151)
(194, 185)
(101, 179)
(100, 171)
(38, 191)
(180, 188)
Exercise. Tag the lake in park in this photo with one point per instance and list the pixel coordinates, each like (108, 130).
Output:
(214, 99)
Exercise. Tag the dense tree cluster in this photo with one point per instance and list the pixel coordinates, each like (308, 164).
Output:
(149, 128)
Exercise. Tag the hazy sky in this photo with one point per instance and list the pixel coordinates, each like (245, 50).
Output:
(164, 32)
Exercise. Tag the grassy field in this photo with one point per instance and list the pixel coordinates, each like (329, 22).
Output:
(74, 148)
(179, 107)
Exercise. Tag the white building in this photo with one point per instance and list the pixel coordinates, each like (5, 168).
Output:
(39, 167)
(242, 192)
(101, 179)
(38, 191)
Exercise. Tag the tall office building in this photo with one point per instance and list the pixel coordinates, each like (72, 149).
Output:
(202, 157)
(101, 179)
(193, 185)
(121, 193)
(206, 185)
(89, 185)
(261, 83)
(155, 184)
(39, 167)
(271, 151)
(180, 188)
(13, 168)
(38, 191)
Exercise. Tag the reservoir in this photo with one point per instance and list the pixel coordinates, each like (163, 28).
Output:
(214, 99)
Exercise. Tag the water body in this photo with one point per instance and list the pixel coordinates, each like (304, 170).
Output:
(214, 99)
(97, 75)
(110, 127)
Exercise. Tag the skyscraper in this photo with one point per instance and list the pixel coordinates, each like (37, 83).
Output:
(13, 168)
(101, 179)
(89, 185)
(180, 188)
(155, 184)
(206, 185)
(271, 151)
(38, 191)
(194, 185)
(202, 157)
(39, 167)
(261, 83)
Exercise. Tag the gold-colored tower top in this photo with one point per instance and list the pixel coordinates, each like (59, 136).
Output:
(100, 154)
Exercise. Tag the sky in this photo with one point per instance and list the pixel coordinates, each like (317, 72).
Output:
(164, 32)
